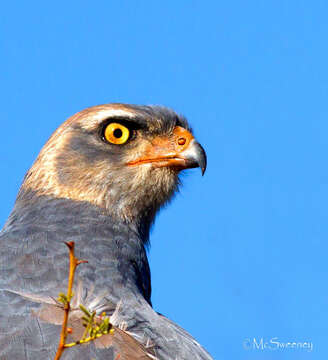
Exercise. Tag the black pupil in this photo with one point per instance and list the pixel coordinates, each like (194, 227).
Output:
(118, 133)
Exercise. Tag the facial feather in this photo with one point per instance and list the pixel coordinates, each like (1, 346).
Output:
(76, 164)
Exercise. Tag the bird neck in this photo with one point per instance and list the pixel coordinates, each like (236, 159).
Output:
(31, 208)
(111, 246)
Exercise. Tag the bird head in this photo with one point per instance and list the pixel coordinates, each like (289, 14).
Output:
(124, 159)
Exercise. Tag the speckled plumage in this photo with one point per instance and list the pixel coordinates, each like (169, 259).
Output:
(80, 189)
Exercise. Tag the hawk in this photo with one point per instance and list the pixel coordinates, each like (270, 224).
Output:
(99, 181)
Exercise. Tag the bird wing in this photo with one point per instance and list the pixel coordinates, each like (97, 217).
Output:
(33, 333)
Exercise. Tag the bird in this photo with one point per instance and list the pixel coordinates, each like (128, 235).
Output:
(99, 182)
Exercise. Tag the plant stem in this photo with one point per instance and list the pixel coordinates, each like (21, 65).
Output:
(73, 263)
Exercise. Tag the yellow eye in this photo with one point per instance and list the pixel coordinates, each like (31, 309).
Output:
(116, 133)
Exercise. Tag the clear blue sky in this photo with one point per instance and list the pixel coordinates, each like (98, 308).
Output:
(242, 252)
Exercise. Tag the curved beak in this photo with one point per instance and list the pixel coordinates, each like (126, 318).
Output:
(180, 151)
(195, 156)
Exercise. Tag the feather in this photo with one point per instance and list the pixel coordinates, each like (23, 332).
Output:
(103, 197)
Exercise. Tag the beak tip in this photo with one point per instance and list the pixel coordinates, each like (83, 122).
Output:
(196, 157)
(202, 160)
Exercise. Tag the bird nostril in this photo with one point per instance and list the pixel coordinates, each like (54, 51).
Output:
(181, 141)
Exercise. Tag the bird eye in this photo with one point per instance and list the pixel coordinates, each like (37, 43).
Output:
(116, 133)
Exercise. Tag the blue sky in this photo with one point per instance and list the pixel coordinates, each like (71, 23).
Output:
(242, 252)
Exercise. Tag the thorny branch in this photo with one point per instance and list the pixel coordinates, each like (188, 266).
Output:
(66, 299)
(95, 327)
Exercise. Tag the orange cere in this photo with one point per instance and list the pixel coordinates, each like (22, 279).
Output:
(167, 150)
